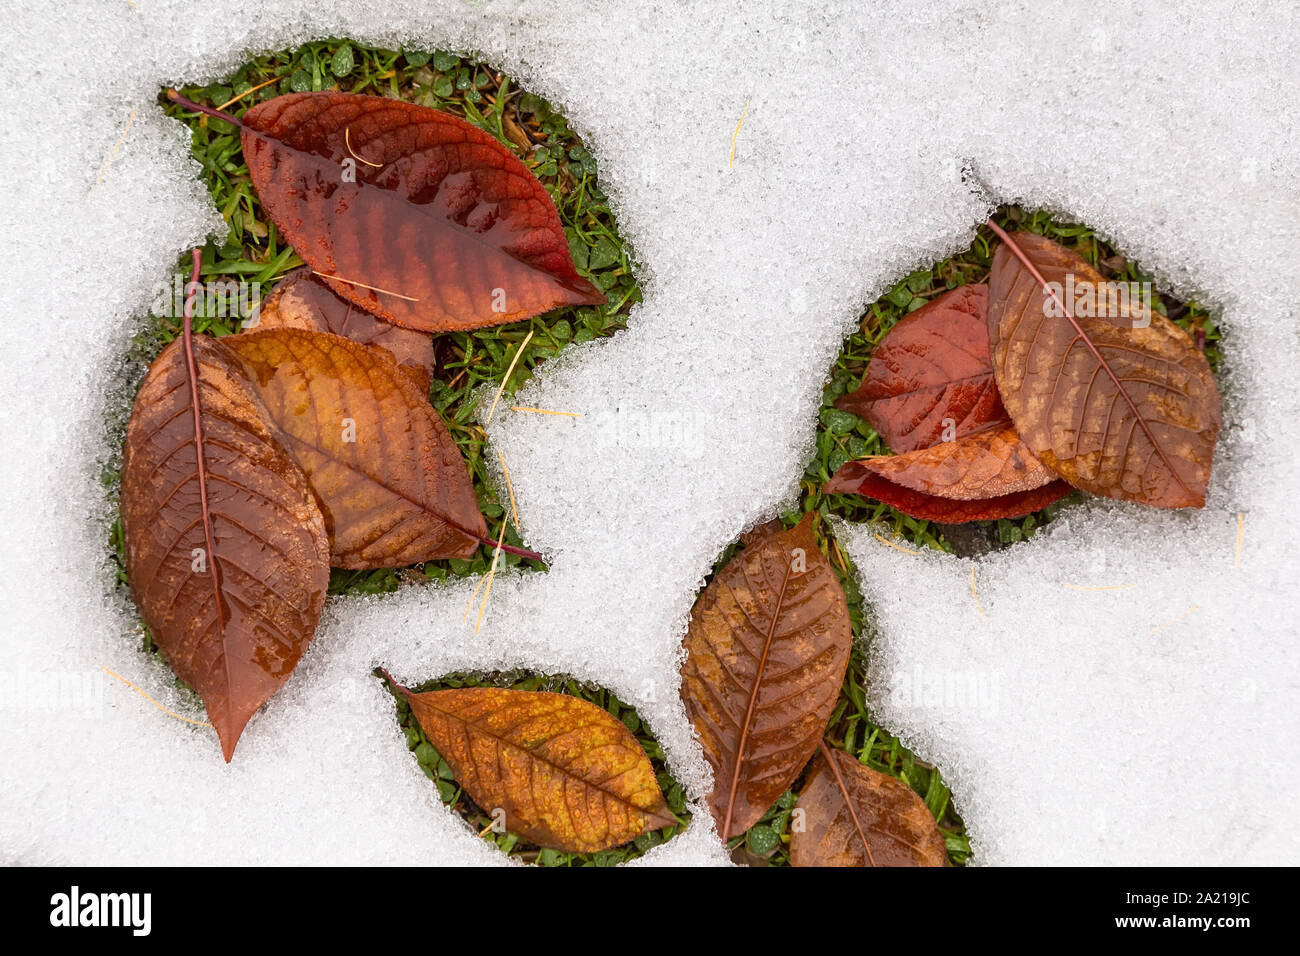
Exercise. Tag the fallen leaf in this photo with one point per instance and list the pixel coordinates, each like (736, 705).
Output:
(226, 549)
(390, 480)
(414, 215)
(569, 775)
(930, 378)
(302, 301)
(1115, 408)
(856, 816)
(854, 478)
(767, 649)
(987, 464)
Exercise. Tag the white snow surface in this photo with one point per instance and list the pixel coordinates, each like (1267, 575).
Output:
(1084, 726)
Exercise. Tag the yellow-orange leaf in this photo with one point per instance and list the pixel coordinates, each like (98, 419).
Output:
(568, 774)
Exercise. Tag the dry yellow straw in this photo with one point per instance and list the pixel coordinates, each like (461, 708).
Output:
(510, 371)
(731, 156)
(347, 141)
(543, 411)
(169, 713)
(260, 86)
(897, 547)
(373, 288)
(1174, 621)
(514, 512)
(492, 573)
(117, 147)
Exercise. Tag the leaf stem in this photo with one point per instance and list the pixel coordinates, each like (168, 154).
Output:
(389, 677)
(189, 104)
(829, 757)
(200, 455)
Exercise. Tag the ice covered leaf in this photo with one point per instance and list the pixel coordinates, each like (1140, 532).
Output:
(302, 301)
(930, 378)
(226, 549)
(857, 478)
(856, 816)
(567, 774)
(767, 648)
(1113, 397)
(987, 464)
(415, 215)
(390, 480)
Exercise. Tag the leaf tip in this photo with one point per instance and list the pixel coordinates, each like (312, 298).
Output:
(230, 727)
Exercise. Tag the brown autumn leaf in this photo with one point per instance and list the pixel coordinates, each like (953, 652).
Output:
(390, 480)
(1115, 407)
(931, 375)
(568, 774)
(856, 816)
(987, 464)
(302, 301)
(932, 370)
(226, 549)
(856, 478)
(413, 214)
(767, 649)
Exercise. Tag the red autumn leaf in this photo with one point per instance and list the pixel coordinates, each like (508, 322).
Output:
(854, 478)
(390, 479)
(931, 370)
(767, 648)
(1113, 397)
(226, 548)
(301, 301)
(412, 214)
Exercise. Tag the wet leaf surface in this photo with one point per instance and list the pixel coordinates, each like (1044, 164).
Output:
(569, 775)
(390, 480)
(856, 816)
(767, 649)
(931, 379)
(416, 215)
(302, 301)
(226, 549)
(1115, 407)
(987, 464)
(855, 478)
